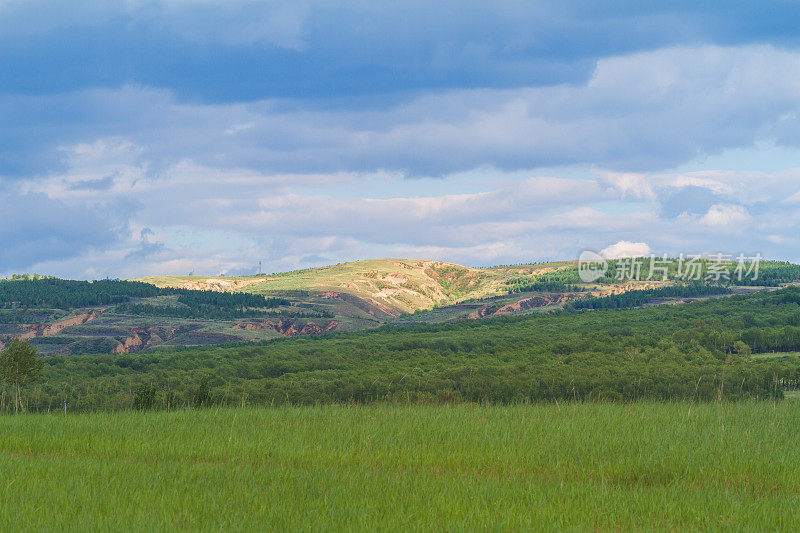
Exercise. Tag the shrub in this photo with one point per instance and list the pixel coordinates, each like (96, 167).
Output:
(145, 397)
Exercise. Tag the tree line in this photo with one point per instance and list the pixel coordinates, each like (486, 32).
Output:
(43, 292)
(637, 298)
(67, 294)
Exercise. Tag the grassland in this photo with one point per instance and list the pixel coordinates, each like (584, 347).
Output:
(640, 466)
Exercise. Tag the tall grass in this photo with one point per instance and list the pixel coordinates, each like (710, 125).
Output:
(552, 467)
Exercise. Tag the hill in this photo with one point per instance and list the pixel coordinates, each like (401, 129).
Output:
(392, 286)
(68, 317)
(72, 317)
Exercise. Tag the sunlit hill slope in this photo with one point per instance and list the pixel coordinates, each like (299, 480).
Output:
(394, 286)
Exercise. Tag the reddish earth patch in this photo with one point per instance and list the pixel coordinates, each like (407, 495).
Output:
(333, 296)
(46, 330)
(523, 305)
(370, 306)
(143, 338)
(485, 311)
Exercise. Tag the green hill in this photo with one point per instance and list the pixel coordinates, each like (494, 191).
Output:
(395, 286)
(65, 317)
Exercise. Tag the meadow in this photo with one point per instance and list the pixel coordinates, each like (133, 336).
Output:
(642, 466)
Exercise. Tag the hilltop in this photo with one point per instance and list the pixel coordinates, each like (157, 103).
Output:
(392, 286)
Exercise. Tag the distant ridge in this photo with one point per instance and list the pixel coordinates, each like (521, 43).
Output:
(395, 286)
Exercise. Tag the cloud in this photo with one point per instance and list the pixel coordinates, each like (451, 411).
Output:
(178, 136)
(244, 50)
(625, 249)
(99, 184)
(722, 215)
(35, 228)
(233, 23)
(191, 218)
(689, 200)
(425, 220)
(629, 184)
(148, 246)
(639, 114)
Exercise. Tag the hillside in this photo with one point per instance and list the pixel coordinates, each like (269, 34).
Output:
(63, 317)
(393, 286)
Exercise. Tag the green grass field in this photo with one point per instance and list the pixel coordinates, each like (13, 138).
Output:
(642, 466)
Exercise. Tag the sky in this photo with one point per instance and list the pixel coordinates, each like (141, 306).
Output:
(144, 137)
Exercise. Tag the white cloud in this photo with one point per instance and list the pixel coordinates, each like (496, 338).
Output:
(34, 228)
(792, 199)
(629, 183)
(723, 215)
(210, 220)
(625, 249)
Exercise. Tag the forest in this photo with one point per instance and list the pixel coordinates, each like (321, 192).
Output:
(65, 294)
(635, 298)
(563, 280)
(47, 292)
(697, 351)
(728, 270)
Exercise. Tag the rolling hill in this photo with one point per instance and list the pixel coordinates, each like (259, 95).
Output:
(392, 286)
(63, 317)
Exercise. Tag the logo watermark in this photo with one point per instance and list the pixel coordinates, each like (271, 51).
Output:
(712, 268)
(591, 266)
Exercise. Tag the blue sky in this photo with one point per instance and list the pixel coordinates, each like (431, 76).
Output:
(175, 136)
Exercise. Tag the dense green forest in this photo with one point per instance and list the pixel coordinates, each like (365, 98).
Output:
(24, 316)
(226, 300)
(212, 305)
(528, 284)
(762, 273)
(636, 298)
(696, 351)
(66, 294)
(766, 274)
(43, 292)
(563, 280)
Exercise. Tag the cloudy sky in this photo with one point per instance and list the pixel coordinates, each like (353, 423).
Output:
(175, 136)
